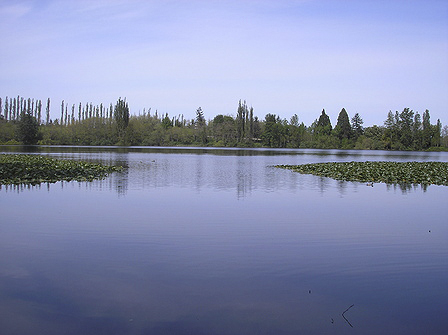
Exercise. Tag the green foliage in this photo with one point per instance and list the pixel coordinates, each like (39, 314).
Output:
(28, 129)
(36, 169)
(166, 122)
(121, 115)
(357, 128)
(99, 125)
(201, 126)
(425, 173)
(8, 131)
(274, 134)
(323, 127)
(224, 130)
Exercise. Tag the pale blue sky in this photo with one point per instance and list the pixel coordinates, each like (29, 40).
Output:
(282, 57)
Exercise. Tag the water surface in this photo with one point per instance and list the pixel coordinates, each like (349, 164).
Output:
(217, 241)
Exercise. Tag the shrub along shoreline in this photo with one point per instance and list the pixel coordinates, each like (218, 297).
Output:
(35, 169)
(425, 173)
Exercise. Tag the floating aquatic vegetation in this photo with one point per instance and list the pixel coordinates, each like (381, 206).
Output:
(36, 169)
(425, 173)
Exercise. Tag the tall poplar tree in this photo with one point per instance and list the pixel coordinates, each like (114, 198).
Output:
(427, 130)
(121, 115)
(47, 112)
(6, 110)
(417, 131)
(39, 111)
(406, 124)
(62, 112)
(17, 111)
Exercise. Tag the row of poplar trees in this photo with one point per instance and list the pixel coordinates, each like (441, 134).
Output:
(89, 124)
(12, 109)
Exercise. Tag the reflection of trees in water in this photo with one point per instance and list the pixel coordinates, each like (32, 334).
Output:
(407, 188)
(342, 187)
(24, 187)
(199, 175)
(244, 179)
(323, 183)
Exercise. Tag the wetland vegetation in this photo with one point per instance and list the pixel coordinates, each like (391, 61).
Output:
(36, 169)
(425, 173)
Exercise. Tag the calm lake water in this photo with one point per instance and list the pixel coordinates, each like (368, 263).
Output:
(217, 241)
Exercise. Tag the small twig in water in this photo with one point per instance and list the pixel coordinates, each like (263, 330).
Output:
(345, 317)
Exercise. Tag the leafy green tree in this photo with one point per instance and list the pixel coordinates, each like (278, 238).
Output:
(166, 122)
(241, 120)
(436, 139)
(201, 125)
(256, 128)
(294, 121)
(392, 134)
(427, 131)
(294, 132)
(406, 124)
(28, 129)
(444, 136)
(417, 132)
(224, 130)
(372, 139)
(274, 134)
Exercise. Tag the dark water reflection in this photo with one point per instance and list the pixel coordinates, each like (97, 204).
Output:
(211, 241)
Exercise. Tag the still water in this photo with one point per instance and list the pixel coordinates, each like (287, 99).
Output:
(217, 241)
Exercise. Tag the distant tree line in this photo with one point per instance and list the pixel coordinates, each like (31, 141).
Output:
(24, 121)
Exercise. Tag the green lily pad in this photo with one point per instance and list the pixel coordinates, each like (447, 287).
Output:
(425, 173)
(36, 169)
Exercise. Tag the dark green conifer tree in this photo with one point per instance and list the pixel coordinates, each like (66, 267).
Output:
(323, 126)
(357, 128)
(343, 128)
